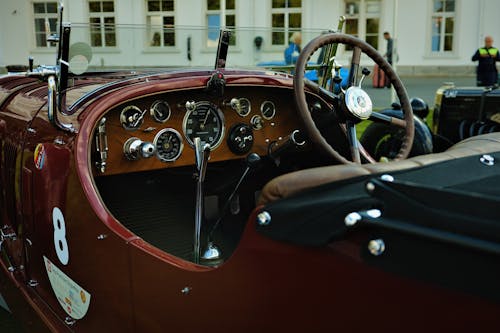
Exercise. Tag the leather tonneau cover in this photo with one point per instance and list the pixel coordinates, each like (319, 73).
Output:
(316, 217)
(440, 224)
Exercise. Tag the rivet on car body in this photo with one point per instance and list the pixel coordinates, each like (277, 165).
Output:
(487, 160)
(387, 178)
(69, 321)
(376, 246)
(264, 218)
(102, 236)
(374, 213)
(351, 219)
(32, 283)
(186, 290)
(370, 187)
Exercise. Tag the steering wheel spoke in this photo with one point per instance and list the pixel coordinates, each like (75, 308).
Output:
(354, 70)
(353, 142)
(380, 117)
(329, 96)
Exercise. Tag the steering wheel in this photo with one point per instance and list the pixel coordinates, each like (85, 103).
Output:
(353, 104)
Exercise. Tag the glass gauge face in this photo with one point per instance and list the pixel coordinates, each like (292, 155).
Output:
(168, 144)
(242, 106)
(160, 110)
(268, 110)
(131, 117)
(206, 122)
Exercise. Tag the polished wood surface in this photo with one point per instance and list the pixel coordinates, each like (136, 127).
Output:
(276, 129)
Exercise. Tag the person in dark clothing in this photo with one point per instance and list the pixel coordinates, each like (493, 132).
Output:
(390, 44)
(389, 53)
(487, 74)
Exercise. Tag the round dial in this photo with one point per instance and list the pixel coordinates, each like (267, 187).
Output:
(131, 117)
(205, 121)
(268, 110)
(160, 110)
(242, 106)
(168, 144)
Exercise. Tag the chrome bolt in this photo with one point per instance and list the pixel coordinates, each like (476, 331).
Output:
(32, 283)
(387, 178)
(102, 236)
(264, 218)
(487, 160)
(376, 246)
(370, 187)
(374, 213)
(69, 321)
(351, 219)
(186, 290)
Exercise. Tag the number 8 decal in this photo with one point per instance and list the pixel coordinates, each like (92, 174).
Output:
(60, 243)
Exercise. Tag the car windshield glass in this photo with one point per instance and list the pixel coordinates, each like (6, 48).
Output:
(105, 47)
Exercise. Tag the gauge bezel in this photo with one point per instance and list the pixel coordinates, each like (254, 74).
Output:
(153, 113)
(123, 119)
(219, 115)
(262, 110)
(181, 147)
(249, 110)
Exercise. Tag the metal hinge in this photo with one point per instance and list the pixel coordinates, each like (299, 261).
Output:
(101, 143)
(4, 236)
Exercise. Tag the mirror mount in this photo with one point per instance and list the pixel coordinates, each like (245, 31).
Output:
(56, 95)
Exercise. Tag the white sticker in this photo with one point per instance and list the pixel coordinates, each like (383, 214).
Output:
(60, 243)
(73, 299)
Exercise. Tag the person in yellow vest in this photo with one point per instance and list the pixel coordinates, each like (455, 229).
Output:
(487, 74)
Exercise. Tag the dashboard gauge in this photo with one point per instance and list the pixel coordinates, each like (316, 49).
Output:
(160, 111)
(240, 139)
(132, 117)
(242, 106)
(206, 121)
(168, 144)
(268, 110)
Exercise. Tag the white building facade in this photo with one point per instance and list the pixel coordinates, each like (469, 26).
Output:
(432, 36)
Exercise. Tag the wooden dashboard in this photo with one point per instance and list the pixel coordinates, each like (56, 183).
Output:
(156, 131)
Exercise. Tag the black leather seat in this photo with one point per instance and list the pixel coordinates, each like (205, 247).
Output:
(291, 183)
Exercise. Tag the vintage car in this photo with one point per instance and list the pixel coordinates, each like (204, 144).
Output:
(233, 200)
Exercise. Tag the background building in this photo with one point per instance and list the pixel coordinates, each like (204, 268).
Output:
(432, 36)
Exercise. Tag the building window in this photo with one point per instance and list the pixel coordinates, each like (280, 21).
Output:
(45, 14)
(217, 18)
(102, 23)
(286, 18)
(161, 22)
(443, 25)
(363, 20)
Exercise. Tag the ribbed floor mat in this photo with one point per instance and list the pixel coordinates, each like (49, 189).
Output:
(160, 212)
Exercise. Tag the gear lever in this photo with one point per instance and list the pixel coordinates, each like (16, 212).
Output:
(212, 252)
(202, 154)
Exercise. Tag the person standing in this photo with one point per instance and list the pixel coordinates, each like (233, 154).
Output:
(487, 74)
(390, 47)
(293, 49)
(389, 53)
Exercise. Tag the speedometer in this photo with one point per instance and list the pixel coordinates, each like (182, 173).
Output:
(168, 144)
(206, 121)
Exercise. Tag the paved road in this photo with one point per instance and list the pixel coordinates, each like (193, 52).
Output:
(423, 87)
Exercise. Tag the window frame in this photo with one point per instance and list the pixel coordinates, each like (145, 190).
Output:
(47, 17)
(362, 17)
(286, 11)
(104, 28)
(152, 30)
(442, 33)
(228, 12)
